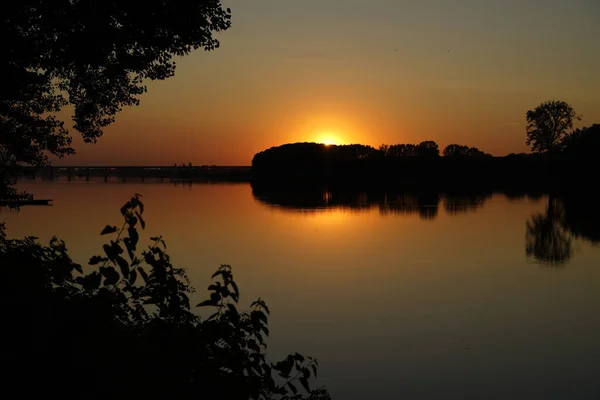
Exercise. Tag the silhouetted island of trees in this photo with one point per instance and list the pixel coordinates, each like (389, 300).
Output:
(423, 165)
(561, 158)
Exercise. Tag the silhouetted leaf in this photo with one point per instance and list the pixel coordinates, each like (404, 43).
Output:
(260, 338)
(235, 290)
(78, 268)
(304, 383)
(124, 266)
(140, 204)
(232, 308)
(254, 317)
(252, 345)
(266, 308)
(213, 316)
(107, 250)
(130, 247)
(131, 220)
(96, 260)
(314, 369)
(306, 373)
(142, 222)
(262, 317)
(132, 276)
(285, 367)
(216, 297)
(292, 387)
(133, 234)
(108, 229)
(207, 303)
(157, 250)
(113, 250)
(91, 281)
(111, 277)
(149, 258)
(143, 274)
(266, 368)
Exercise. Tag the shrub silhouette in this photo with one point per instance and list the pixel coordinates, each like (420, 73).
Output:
(123, 327)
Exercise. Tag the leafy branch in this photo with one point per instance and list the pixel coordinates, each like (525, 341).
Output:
(137, 306)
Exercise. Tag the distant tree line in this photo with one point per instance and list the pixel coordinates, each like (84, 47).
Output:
(429, 149)
(560, 155)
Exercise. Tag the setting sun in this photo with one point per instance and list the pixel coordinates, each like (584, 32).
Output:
(329, 139)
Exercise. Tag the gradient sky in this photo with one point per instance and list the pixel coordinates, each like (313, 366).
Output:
(363, 71)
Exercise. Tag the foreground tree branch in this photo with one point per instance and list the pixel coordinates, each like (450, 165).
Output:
(94, 55)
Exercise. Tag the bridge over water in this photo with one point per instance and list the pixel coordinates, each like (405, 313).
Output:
(203, 173)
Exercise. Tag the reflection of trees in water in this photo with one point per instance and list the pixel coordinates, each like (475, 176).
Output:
(546, 239)
(293, 200)
(582, 217)
(462, 203)
(549, 235)
(423, 204)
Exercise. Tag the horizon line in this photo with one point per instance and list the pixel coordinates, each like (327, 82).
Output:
(141, 166)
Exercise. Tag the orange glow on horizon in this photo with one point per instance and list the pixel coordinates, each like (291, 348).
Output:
(332, 217)
(329, 139)
(260, 90)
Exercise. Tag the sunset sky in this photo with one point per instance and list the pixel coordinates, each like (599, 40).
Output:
(363, 71)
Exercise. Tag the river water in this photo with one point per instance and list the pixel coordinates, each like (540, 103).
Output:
(396, 297)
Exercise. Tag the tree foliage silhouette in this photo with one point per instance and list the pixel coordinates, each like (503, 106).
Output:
(548, 125)
(123, 327)
(94, 55)
(457, 150)
(428, 149)
(583, 144)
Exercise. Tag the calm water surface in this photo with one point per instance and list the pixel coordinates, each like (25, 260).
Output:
(407, 301)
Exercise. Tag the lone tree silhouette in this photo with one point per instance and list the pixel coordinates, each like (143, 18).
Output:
(93, 55)
(548, 125)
